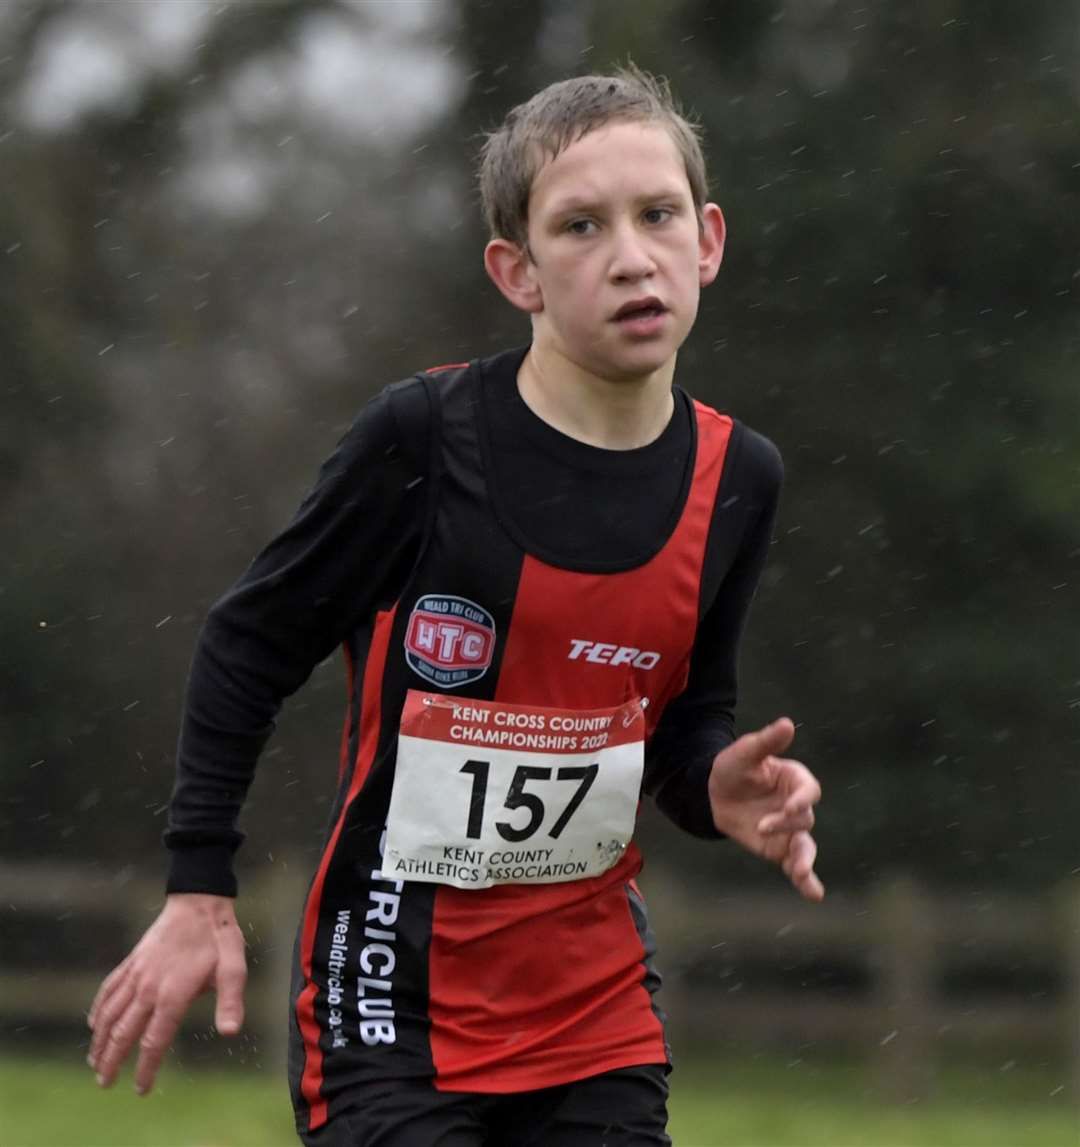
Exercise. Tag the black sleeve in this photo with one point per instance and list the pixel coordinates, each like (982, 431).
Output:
(346, 553)
(700, 722)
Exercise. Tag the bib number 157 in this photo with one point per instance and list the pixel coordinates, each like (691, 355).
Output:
(517, 797)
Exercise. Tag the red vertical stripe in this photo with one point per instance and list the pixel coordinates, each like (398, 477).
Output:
(350, 677)
(370, 721)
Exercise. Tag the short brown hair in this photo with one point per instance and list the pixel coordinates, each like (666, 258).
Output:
(535, 132)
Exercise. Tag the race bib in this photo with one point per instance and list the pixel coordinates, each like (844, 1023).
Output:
(487, 793)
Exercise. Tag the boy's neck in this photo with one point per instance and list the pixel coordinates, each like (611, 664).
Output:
(614, 415)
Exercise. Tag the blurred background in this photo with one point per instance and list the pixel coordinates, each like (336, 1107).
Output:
(223, 226)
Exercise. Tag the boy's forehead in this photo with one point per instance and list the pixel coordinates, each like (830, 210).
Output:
(642, 155)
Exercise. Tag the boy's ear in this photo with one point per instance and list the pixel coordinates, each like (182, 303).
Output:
(512, 271)
(711, 243)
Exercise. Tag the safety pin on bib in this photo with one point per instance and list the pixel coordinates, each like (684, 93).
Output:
(630, 718)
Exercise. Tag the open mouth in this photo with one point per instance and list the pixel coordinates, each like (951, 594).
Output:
(645, 309)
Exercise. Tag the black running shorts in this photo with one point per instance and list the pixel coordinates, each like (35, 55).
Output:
(622, 1108)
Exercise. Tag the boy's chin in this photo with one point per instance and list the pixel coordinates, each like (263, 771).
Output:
(637, 363)
(626, 363)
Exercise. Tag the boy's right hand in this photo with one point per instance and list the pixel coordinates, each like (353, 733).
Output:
(195, 944)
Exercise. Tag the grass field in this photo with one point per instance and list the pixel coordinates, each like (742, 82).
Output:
(752, 1102)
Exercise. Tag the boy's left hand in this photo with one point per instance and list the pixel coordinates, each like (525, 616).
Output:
(766, 802)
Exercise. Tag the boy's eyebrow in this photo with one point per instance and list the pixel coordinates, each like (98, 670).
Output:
(581, 203)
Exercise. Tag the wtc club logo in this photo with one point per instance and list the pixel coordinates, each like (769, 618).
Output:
(450, 640)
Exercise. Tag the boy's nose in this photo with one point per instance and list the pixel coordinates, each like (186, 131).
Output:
(630, 258)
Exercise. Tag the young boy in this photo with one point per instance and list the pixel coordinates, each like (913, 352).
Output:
(538, 565)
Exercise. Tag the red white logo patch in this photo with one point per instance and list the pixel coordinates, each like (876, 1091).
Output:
(449, 640)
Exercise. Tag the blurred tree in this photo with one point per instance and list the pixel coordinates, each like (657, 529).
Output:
(204, 278)
(898, 311)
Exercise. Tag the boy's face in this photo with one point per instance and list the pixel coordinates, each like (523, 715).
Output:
(618, 255)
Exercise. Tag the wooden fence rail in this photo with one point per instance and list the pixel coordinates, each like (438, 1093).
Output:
(745, 971)
(923, 961)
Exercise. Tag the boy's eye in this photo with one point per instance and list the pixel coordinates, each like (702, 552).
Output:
(658, 214)
(580, 226)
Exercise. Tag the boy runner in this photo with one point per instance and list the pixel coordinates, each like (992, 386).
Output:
(538, 565)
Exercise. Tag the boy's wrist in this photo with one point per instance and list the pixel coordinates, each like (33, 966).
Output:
(201, 868)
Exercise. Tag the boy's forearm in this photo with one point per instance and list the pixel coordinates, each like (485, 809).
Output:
(225, 727)
(678, 761)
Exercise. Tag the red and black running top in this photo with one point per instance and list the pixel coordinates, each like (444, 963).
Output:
(448, 487)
